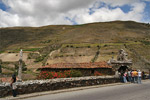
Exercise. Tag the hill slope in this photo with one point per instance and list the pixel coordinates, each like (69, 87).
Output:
(110, 36)
(117, 31)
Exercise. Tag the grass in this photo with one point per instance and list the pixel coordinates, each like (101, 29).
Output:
(146, 42)
(30, 71)
(31, 49)
(81, 45)
(12, 69)
(1, 52)
(27, 49)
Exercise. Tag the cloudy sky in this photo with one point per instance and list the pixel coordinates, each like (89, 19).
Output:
(71, 12)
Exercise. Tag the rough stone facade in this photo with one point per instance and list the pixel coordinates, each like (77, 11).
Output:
(55, 84)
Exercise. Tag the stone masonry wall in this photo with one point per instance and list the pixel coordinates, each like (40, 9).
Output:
(55, 84)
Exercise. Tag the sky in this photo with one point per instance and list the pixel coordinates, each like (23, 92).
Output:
(37, 13)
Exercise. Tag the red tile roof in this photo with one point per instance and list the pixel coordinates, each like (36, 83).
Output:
(78, 65)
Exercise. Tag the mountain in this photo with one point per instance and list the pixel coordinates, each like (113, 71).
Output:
(106, 32)
(80, 43)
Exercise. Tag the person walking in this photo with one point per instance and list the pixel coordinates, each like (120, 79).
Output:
(124, 77)
(136, 76)
(129, 76)
(143, 75)
(132, 76)
(13, 85)
(139, 76)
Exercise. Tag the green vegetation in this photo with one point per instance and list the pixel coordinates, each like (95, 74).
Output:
(40, 58)
(76, 73)
(6, 67)
(28, 49)
(33, 55)
(96, 55)
(24, 68)
(1, 52)
(31, 49)
(146, 42)
(81, 45)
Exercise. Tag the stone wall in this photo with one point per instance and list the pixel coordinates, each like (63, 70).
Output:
(55, 84)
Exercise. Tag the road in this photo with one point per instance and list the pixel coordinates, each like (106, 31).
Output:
(117, 92)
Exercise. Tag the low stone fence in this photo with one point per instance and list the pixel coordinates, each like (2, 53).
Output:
(55, 84)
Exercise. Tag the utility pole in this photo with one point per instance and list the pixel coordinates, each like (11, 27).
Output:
(20, 66)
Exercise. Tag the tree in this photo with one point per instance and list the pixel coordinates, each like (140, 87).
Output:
(24, 68)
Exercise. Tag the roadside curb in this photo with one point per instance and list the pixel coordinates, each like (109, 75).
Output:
(24, 96)
(58, 91)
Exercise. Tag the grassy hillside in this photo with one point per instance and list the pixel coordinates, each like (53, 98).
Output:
(118, 31)
(80, 43)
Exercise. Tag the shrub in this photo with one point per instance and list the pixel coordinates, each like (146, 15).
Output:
(76, 73)
(105, 45)
(51, 75)
(71, 46)
(67, 46)
(64, 74)
(146, 42)
(40, 58)
(98, 46)
(89, 46)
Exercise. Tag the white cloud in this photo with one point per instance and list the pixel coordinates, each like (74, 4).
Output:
(46, 12)
(114, 3)
(105, 14)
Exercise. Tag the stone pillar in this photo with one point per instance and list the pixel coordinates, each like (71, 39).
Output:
(20, 66)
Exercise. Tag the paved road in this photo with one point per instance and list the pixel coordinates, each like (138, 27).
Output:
(119, 92)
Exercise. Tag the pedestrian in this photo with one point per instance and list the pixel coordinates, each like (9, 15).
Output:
(129, 76)
(143, 75)
(136, 76)
(124, 77)
(132, 76)
(139, 76)
(13, 85)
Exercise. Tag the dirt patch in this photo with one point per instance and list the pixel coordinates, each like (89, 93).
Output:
(70, 59)
(12, 57)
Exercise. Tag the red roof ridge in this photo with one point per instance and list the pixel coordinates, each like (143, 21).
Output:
(79, 65)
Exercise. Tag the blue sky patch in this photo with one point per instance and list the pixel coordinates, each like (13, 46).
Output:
(71, 20)
(126, 8)
(2, 6)
(147, 12)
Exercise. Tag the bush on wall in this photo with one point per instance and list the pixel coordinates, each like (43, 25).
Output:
(61, 74)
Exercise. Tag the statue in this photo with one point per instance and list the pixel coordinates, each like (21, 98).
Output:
(122, 59)
(122, 55)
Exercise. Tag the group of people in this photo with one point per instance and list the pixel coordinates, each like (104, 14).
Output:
(134, 76)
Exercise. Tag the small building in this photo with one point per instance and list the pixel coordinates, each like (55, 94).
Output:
(87, 69)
